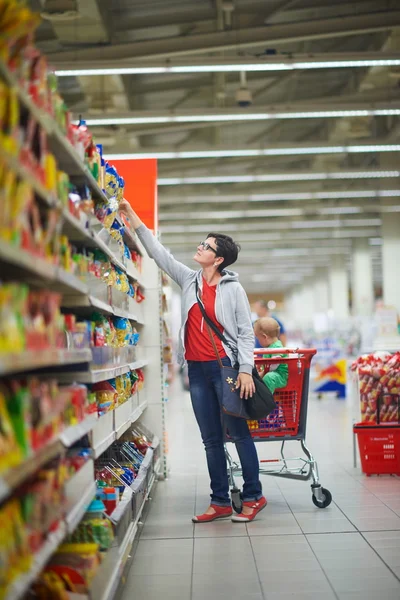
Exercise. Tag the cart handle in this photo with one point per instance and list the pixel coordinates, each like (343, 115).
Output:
(299, 351)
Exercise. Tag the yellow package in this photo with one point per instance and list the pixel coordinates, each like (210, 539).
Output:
(9, 183)
(10, 452)
(50, 586)
(11, 124)
(50, 169)
(19, 204)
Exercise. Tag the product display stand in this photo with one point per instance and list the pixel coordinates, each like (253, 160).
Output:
(376, 412)
(81, 296)
(154, 393)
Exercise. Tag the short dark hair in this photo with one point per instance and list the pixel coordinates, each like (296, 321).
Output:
(226, 248)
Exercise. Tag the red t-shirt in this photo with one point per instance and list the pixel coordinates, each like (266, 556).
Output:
(197, 340)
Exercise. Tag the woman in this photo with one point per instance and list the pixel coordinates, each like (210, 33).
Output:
(226, 303)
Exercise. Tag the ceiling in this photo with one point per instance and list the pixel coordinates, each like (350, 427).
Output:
(295, 222)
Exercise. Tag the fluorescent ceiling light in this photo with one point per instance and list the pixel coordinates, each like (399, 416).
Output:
(258, 235)
(254, 152)
(240, 116)
(389, 209)
(166, 200)
(227, 227)
(229, 65)
(335, 223)
(310, 176)
(238, 214)
(339, 210)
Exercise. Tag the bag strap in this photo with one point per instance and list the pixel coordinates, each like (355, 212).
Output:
(207, 318)
(209, 325)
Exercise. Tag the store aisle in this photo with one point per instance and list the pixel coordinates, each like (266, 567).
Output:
(349, 551)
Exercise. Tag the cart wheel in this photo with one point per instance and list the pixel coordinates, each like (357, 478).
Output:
(326, 501)
(236, 499)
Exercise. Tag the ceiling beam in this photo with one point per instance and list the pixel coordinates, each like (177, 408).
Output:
(266, 36)
(200, 13)
(168, 128)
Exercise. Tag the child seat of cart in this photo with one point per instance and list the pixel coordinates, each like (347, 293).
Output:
(284, 420)
(277, 419)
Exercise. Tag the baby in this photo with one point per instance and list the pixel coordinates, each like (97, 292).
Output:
(267, 332)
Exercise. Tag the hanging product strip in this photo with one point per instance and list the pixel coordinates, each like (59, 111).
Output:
(61, 236)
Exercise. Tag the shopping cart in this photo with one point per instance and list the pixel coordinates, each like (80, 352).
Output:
(287, 422)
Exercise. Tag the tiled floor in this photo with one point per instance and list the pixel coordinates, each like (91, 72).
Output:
(349, 551)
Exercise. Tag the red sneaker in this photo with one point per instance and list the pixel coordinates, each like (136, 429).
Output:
(255, 505)
(221, 512)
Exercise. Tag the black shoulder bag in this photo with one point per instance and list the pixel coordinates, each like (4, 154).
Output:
(261, 404)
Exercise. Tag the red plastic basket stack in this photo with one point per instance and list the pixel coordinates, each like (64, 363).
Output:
(379, 447)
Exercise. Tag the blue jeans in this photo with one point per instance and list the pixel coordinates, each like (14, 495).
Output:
(206, 392)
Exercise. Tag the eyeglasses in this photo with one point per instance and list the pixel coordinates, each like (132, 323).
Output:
(207, 247)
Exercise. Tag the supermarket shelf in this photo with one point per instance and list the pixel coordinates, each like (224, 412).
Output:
(107, 581)
(21, 585)
(97, 375)
(122, 417)
(67, 157)
(89, 301)
(75, 432)
(23, 260)
(104, 445)
(129, 238)
(133, 273)
(100, 243)
(71, 282)
(35, 267)
(157, 467)
(74, 517)
(108, 431)
(17, 475)
(31, 360)
(75, 230)
(137, 413)
(139, 364)
(23, 173)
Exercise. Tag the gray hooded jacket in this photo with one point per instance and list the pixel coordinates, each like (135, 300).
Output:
(231, 305)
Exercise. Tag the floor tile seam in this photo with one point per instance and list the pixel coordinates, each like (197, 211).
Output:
(194, 539)
(375, 551)
(165, 539)
(314, 553)
(380, 557)
(323, 569)
(387, 506)
(362, 483)
(258, 572)
(357, 528)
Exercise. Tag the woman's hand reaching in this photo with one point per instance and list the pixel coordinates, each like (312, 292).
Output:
(246, 384)
(126, 209)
